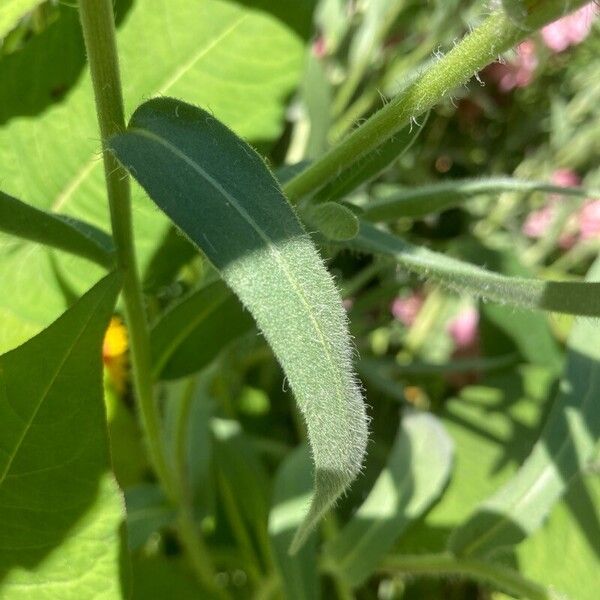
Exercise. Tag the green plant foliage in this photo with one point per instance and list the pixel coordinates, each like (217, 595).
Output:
(193, 331)
(335, 221)
(291, 497)
(269, 262)
(417, 470)
(577, 298)
(60, 505)
(224, 50)
(13, 10)
(562, 452)
(58, 231)
(391, 203)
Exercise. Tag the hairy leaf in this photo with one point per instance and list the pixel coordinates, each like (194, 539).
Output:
(335, 221)
(416, 471)
(57, 231)
(184, 157)
(192, 332)
(566, 444)
(291, 496)
(571, 297)
(392, 203)
(60, 508)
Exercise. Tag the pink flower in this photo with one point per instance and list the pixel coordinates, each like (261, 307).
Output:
(570, 30)
(405, 309)
(464, 329)
(538, 221)
(566, 178)
(518, 72)
(319, 46)
(589, 220)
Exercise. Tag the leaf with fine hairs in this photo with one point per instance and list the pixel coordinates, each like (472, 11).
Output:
(566, 445)
(219, 192)
(60, 507)
(570, 297)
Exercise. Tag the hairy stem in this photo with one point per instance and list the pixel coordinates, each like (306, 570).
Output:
(97, 21)
(494, 36)
(437, 565)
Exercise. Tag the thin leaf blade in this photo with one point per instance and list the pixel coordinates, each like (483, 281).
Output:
(240, 219)
(56, 491)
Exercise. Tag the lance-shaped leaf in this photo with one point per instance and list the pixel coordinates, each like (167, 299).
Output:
(571, 297)
(220, 193)
(567, 443)
(60, 508)
(418, 467)
(57, 231)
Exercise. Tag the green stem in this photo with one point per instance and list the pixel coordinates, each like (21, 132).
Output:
(97, 21)
(445, 564)
(494, 36)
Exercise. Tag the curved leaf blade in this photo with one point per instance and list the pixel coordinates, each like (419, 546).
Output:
(191, 333)
(570, 297)
(417, 470)
(57, 231)
(567, 443)
(56, 491)
(391, 204)
(220, 193)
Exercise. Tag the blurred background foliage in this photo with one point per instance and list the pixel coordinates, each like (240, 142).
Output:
(486, 372)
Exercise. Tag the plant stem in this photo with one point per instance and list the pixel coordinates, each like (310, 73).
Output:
(97, 21)
(495, 35)
(446, 564)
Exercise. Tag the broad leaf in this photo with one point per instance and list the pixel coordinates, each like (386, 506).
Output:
(565, 446)
(418, 467)
(240, 219)
(12, 11)
(210, 52)
(393, 203)
(60, 508)
(299, 575)
(572, 297)
(192, 332)
(20, 219)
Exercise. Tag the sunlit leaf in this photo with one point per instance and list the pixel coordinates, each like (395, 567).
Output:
(182, 156)
(60, 508)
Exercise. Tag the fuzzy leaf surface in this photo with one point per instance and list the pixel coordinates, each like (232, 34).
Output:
(60, 508)
(220, 193)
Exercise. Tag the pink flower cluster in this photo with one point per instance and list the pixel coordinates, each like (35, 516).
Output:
(406, 308)
(582, 226)
(557, 36)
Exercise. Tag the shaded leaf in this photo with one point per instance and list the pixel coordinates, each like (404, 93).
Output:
(192, 332)
(57, 231)
(291, 496)
(571, 297)
(565, 446)
(60, 508)
(183, 157)
(417, 470)
(335, 221)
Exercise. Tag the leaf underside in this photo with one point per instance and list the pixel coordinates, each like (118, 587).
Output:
(220, 193)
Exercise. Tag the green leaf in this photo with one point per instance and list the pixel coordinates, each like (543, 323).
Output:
(335, 221)
(192, 332)
(573, 526)
(60, 508)
(12, 11)
(368, 167)
(417, 470)
(213, 53)
(183, 157)
(299, 574)
(571, 297)
(391, 203)
(24, 221)
(565, 446)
